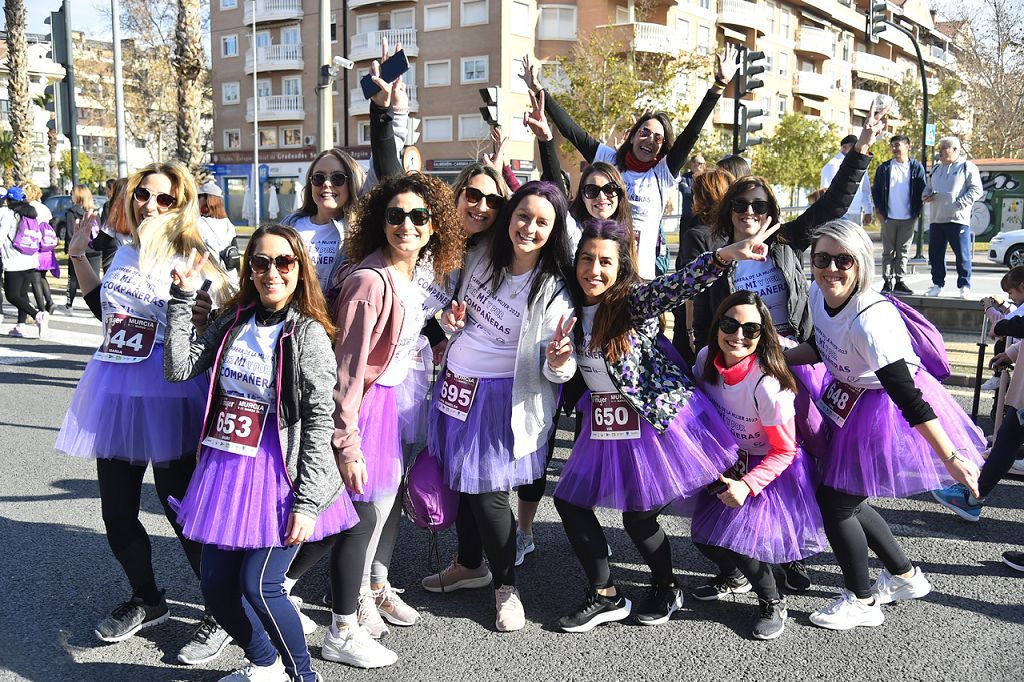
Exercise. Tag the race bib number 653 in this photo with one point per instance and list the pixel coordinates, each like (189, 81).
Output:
(236, 425)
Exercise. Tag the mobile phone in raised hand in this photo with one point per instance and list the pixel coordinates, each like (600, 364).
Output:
(393, 67)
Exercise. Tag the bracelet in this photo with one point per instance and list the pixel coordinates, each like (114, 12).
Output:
(954, 455)
(720, 84)
(717, 260)
(76, 256)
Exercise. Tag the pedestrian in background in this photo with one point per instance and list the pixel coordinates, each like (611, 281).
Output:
(695, 167)
(896, 190)
(861, 204)
(951, 190)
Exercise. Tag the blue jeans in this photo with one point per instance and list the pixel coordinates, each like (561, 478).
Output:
(959, 238)
(244, 591)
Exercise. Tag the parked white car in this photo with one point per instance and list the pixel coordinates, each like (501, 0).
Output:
(1007, 248)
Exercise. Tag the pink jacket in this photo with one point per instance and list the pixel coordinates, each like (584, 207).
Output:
(369, 319)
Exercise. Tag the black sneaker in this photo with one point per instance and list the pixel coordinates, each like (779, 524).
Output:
(720, 586)
(771, 619)
(797, 578)
(594, 610)
(902, 289)
(660, 602)
(1014, 560)
(886, 286)
(207, 642)
(129, 618)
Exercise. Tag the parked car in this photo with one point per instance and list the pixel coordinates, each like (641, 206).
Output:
(58, 205)
(1007, 248)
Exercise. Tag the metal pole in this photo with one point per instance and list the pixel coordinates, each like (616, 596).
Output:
(69, 79)
(255, 122)
(325, 101)
(115, 30)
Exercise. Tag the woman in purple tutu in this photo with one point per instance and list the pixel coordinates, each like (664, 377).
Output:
(124, 414)
(265, 480)
(762, 510)
(896, 431)
(494, 407)
(648, 437)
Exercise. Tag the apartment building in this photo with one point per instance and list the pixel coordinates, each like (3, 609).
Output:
(819, 65)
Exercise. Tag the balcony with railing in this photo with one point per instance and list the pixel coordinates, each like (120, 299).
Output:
(861, 100)
(367, 45)
(356, 4)
(276, 108)
(641, 36)
(274, 58)
(358, 105)
(744, 14)
(811, 84)
(272, 10)
(815, 42)
(871, 65)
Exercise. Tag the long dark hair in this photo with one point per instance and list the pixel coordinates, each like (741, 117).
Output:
(612, 322)
(627, 144)
(554, 254)
(623, 212)
(768, 351)
(722, 227)
(307, 299)
(355, 174)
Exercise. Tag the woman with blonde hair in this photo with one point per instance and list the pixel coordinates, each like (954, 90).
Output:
(125, 415)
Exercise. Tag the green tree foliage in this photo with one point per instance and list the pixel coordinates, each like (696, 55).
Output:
(793, 156)
(89, 172)
(7, 157)
(943, 107)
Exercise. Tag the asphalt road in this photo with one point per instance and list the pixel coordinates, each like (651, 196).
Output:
(59, 578)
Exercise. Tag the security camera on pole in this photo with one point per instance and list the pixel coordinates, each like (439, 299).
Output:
(751, 64)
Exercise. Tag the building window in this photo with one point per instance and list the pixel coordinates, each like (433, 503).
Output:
(337, 134)
(472, 127)
(621, 14)
(437, 73)
(522, 24)
(363, 133)
(268, 137)
(782, 106)
(703, 39)
(787, 19)
(474, 12)
(232, 139)
(705, 4)
(229, 93)
(474, 70)
(683, 30)
(228, 4)
(554, 77)
(403, 18)
(437, 129)
(334, 28)
(229, 45)
(292, 85)
(437, 17)
(263, 88)
(557, 22)
(783, 63)
(291, 136)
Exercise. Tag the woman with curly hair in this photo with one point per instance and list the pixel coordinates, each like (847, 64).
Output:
(404, 223)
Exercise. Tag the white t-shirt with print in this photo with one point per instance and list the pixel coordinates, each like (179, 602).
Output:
(766, 280)
(592, 362)
(325, 244)
(487, 346)
(247, 367)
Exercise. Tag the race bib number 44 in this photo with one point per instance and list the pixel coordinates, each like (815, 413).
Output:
(838, 400)
(457, 395)
(126, 338)
(612, 418)
(236, 425)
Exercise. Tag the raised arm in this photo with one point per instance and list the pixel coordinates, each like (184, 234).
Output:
(535, 120)
(579, 138)
(186, 357)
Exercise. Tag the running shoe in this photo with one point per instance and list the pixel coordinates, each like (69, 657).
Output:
(889, 588)
(17, 332)
(207, 642)
(771, 619)
(848, 612)
(393, 608)
(130, 617)
(1014, 560)
(901, 288)
(957, 499)
(458, 577)
(721, 586)
(660, 602)
(797, 577)
(594, 610)
(369, 618)
(308, 624)
(524, 546)
(354, 646)
(274, 672)
(43, 323)
(510, 616)
(1017, 468)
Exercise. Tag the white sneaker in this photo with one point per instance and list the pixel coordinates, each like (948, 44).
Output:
(43, 322)
(934, 291)
(990, 385)
(355, 647)
(1017, 468)
(965, 292)
(308, 624)
(890, 588)
(524, 546)
(259, 673)
(510, 609)
(65, 310)
(848, 612)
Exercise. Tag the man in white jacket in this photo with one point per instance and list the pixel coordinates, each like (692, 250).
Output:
(860, 208)
(952, 188)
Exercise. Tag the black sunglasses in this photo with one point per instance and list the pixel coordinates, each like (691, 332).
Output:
(728, 325)
(611, 189)
(337, 178)
(396, 216)
(843, 261)
(495, 201)
(760, 206)
(260, 263)
(143, 195)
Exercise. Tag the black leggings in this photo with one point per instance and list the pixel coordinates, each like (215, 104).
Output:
(16, 286)
(485, 523)
(591, 547)
(853, 526)
(120, 498)
(41, 290)
(95, 261)
(348, 556)
(733, 564)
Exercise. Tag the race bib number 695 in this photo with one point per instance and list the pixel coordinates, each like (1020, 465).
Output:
(457, 395)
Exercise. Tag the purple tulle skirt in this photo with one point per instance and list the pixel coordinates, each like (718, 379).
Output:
(650, 471)
(476, 455)
(131, 413)
(381, 443)
(781, 524)
(412, 398)
(811, 429)
(237, 502)
(877, 454)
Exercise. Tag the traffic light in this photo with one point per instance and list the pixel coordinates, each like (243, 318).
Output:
(490, 109)
(56, 101)
(748, 125)
(751, 64)
(876, 21)
(58, 37)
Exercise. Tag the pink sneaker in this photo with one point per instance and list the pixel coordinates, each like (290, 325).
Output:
(510, 609)
(392, 608)
(457, 577)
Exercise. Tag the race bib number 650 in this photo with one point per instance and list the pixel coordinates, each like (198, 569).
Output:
(612, 418)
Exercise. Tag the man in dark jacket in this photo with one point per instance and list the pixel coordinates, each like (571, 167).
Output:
(896, 192)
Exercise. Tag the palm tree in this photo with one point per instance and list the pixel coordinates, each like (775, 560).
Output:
(43, 101)
(7, 157)
(17, 89)
(189, 63)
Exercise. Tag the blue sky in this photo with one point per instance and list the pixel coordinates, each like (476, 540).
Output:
(86, 15)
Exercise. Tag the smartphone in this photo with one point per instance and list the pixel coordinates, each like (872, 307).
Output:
(393, 67)
(206, 285)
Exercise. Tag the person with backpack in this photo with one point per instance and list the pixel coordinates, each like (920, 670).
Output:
(20, 237)
(895, 430)
(47, 249)
(82, 214)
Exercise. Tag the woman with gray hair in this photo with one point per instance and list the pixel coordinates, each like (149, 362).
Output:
(896, 432)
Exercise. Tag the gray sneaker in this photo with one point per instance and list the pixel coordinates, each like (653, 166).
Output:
(207, 642)
(524, 546)
(129, 618)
